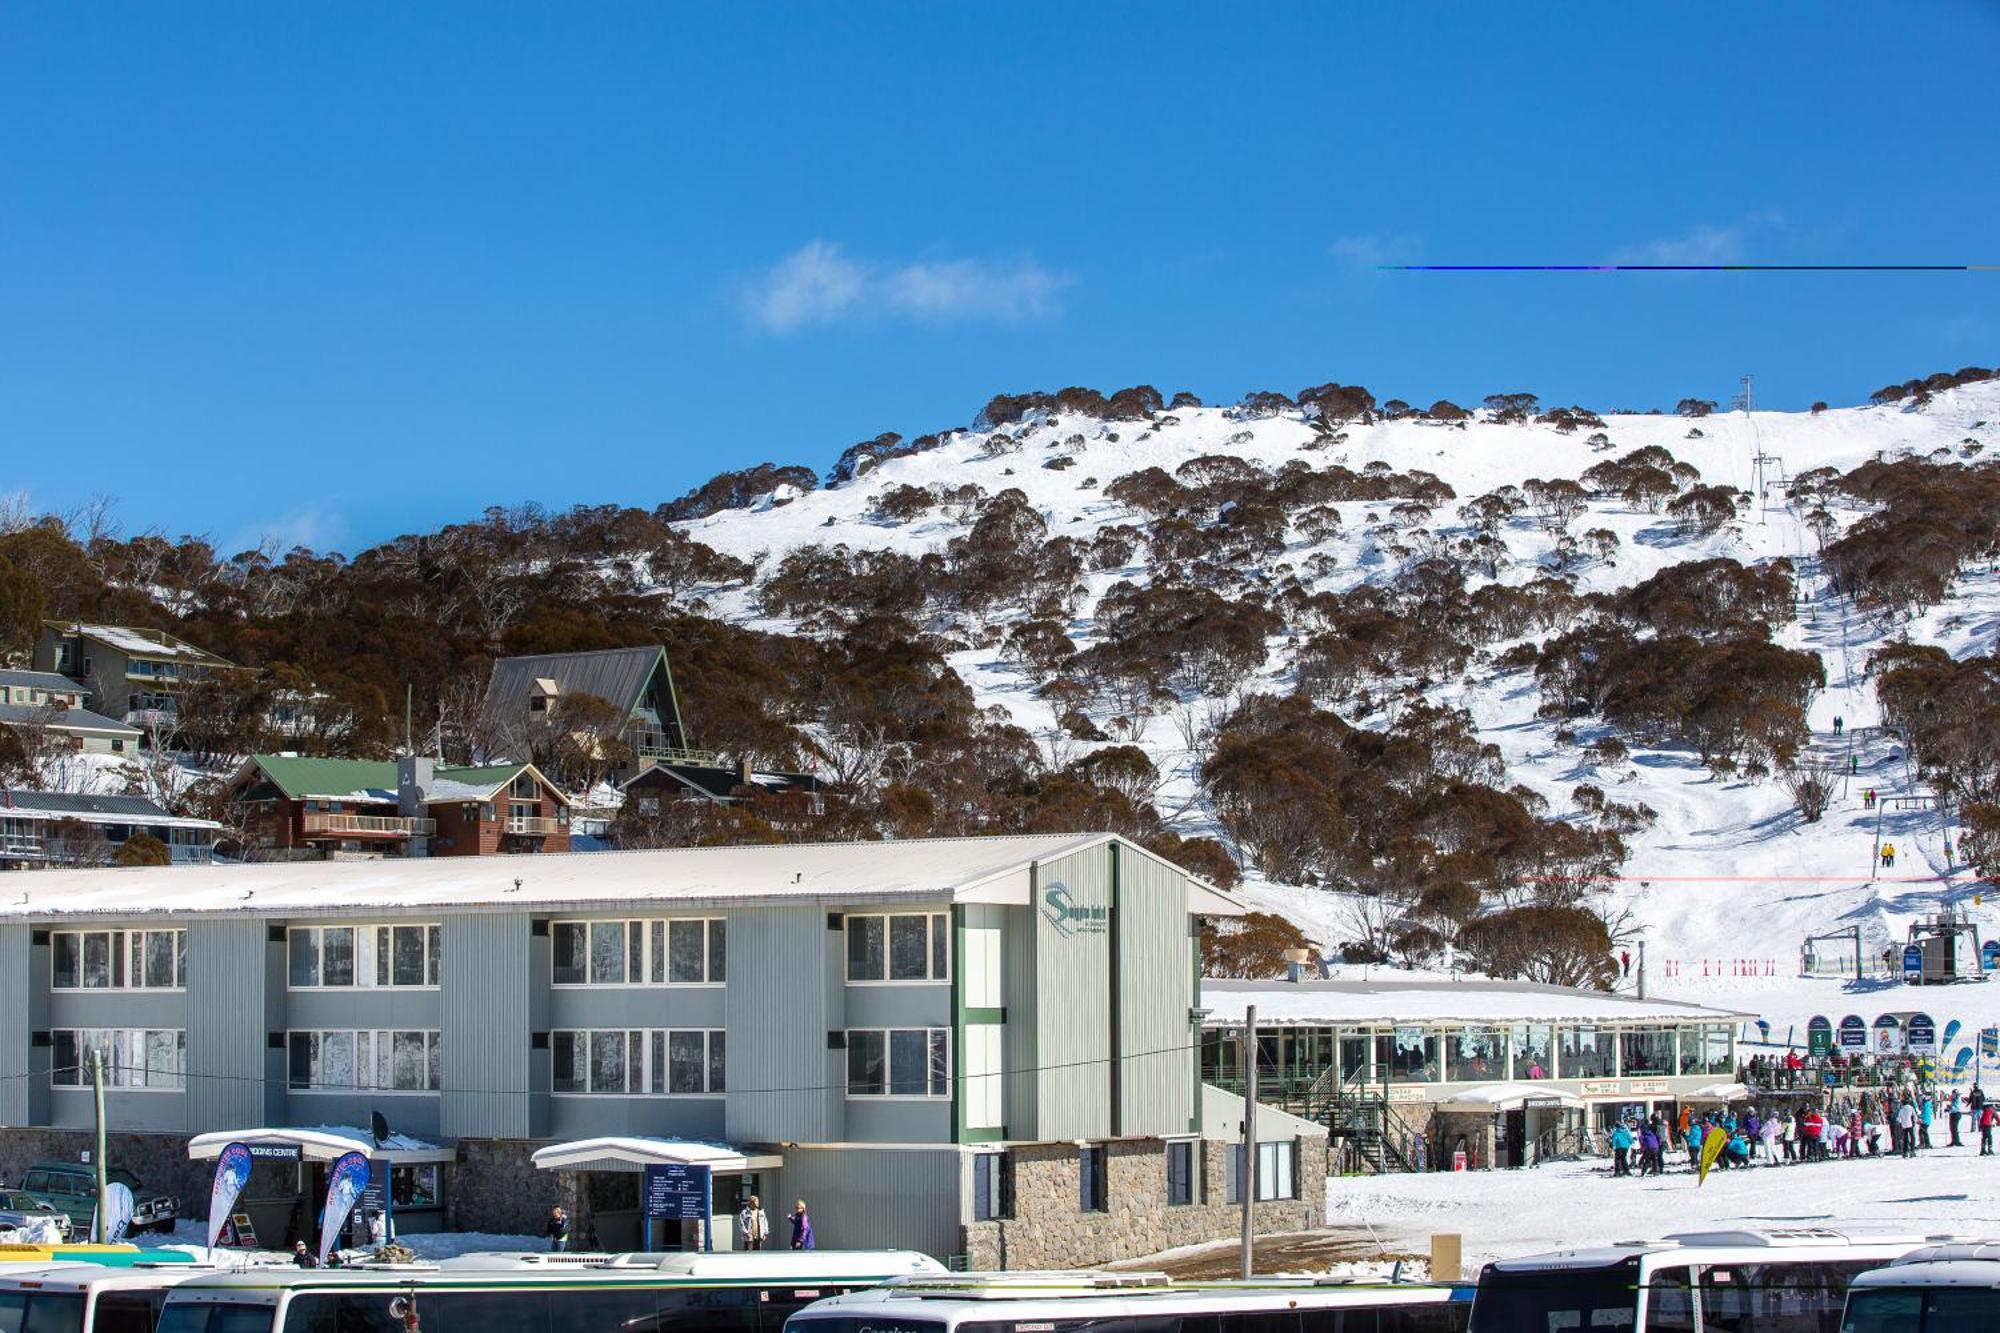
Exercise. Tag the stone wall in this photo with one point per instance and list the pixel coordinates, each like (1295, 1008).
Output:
(1049, 1230)
(160, 1160)
(495, 1187)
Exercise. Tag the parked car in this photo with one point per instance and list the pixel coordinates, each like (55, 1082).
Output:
(71, 1188)
(17, 1207)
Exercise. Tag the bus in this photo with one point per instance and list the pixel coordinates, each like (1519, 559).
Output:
(536, 1293)
(41, 1256)
(1938, 1289)
(1790, 1280)
(88, 1298)
(1140, 1303)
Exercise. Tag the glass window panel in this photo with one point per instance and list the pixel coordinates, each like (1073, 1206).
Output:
(864, 1064)
(408, 967)
(656, 971)
(336, 1060)
(865, 960)
(1533, 1044)
(1476, 1054)
(635, 1059)
(718, 950)
(908, 1061)
(385, 1072)
(305, 957)
(569, 943)
(180, 957)
(1413, 1055)
(940, 947)
(656, 1078)
(635, 950)
(434, 1061)
(909, 948)
(407, 1062)
(337, 956)
(569, 1076)
(685, 1062)
(97, 960)
(607, 952)
(607, 1061)
(301, 1059)
(119, 940)
(717, 1064)
(434, 954)
(364, 1059)
(1648, 1051)
(381, 955)
(67, 958)
(1586, 1053)
(159, 949)
(685, 951)
(940, 1063)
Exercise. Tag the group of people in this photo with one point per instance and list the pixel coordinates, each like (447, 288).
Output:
(753, 1227)
(1897, 1122)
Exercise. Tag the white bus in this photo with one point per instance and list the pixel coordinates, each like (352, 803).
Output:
(1779, 1281)
(1139, 1303)
(1939, 1289)
(88, 1298)
(536, 1293)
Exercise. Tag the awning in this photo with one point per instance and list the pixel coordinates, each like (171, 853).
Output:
(636, 1154)
(323, 1144)
(1718, 1092)
(1493, 1098)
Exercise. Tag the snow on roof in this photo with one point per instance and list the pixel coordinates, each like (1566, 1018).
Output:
(93, 809)
(304, 777)
(140, 642)
(321, 1143)
(63, 719)
(932, 870)
(1386, 1002)
(624, 1153)
(1507, 1097)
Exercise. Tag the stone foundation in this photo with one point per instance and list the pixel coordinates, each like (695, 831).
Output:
(1049, 1230)
(496, 1188)
(160, 1160)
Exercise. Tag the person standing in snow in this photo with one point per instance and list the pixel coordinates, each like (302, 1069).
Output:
(1650, 1159)
(1888, 854)
(1924, 1115)
(1906, 1128)
(1621, 1149)
(1952, 1111)
(1767, 1134)
(557, 1229)
(1986, 1119)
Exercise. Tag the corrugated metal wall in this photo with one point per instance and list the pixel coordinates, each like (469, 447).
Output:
(1155, 981)
(1020, 1049)
(484, 1022)
(226, 1024)
(1073, 997)
(16, 1026)
(873, 1198)
(783, 1081)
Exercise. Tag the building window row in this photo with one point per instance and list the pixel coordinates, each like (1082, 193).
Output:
(336, 957)
(154, 1058)
(1277, 1175)
(655, 1062)
(118, 959)
(899, 1062)
(380, 1060)
(679, 951)
(898, 946)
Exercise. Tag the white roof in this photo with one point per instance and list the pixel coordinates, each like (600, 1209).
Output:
(1718, 1092)
(145, 643)
(613, 1153)
(1428, 1002)
(933, 870)
(324, 1143)
(1488, 1097)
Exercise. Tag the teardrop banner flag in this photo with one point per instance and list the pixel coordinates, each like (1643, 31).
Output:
(232, 1173)
(345, 1180)
(1712, 1145)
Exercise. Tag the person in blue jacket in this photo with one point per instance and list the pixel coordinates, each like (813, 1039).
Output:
(1621, 1149)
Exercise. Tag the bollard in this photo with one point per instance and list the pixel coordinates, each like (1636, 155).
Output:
(1446, 1260)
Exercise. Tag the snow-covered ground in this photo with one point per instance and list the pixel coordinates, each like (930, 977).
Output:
(1728, 882)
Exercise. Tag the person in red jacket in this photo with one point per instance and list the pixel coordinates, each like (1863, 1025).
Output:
(1814, 1130)
(1987, 1117)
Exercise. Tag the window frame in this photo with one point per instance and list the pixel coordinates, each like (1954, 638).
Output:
(937, 947)
(654, 1048)
(121, 1041)
(367, 963)
(649, 939)
(1190, 1175)
(937, 1081)
(379, 1041)
(993, 1172)
(1093, 1179)
(125, 959)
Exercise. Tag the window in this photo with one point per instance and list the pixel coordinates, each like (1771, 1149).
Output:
(992, 1187)
(381, 1060)
(899, 1062)
(1586, 1053)
(1648, 1051)
(321, 957)
(638, 1061)
(1276, 1178)
(148, 1058)
(118, 960)
(903, 947)
(1180, 1171)
(1090, 1192)
(682, 951)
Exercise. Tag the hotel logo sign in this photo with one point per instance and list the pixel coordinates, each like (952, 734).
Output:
(1070, 917)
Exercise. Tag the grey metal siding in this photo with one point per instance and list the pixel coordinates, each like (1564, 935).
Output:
(892, 1120)
(363, 1007)
(654, 1117)
(406, 1112)
(16, 1022)
(117, 1009)
(906, 1005)
(638, 1007)
(873, 1198)
(1073, 997)
(784, 1083)
(484, 1025)
(226, 1017)
(1155, 981)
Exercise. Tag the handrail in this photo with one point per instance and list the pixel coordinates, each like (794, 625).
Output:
(530, 824)
(323, 821)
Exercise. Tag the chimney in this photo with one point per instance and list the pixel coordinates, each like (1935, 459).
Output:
(413, 782)
(743, 771)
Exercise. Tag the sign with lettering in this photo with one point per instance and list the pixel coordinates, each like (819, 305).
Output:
(677, 1191)
(1819, 1035)
(1888, 1035)
(1854, 1033)
(1642, 1087)
(1920, 1035)
(1600, 1087)
(1913, 960)
(1070, 917)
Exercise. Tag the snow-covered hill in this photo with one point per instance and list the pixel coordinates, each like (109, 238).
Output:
(1728, 882)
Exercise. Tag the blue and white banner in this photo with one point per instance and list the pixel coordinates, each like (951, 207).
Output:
(232, 1173)
(117, 1212)
(345, 1180)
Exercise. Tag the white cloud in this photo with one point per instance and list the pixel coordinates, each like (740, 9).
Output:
(1369, 249)
(310, 525)
(1706, 243)
(818, 283)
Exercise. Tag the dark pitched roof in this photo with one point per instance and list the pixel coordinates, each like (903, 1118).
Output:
(40, 680)
(718, 784)
(63, 719)
(73, 803)
(616, 675)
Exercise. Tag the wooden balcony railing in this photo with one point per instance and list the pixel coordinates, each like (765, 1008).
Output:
(320, 821)
(533, 825)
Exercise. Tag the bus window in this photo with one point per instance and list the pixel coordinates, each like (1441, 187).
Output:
(1880, 1310)
(1961, 1310)
(126, 1311)
(1557, 1300)
(1444, 1317)
(41, 1312)
(1670, 1301)
(217, 1318)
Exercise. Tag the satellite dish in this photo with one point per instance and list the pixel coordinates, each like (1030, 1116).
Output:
(379, 1126)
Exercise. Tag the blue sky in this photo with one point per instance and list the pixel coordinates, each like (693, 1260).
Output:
(337, 271)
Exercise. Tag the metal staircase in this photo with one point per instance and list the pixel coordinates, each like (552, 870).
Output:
(1356, 1113)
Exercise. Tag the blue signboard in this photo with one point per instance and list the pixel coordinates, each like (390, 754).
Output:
(1989, 955)
(677, 1192)
(1913, 960)
(1853, 1033)
(1920, 1035)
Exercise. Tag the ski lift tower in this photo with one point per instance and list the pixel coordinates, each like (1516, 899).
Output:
(1949, 945)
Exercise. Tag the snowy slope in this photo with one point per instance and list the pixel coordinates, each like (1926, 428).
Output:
(1727, 881)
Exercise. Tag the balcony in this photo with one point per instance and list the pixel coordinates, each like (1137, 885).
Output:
(367, 826)
(534, 826)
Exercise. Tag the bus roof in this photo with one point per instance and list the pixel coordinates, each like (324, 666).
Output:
(106, 1255)
(1934, 1273)
(1726, 1246)
(1062, 1295)
(85, 1277)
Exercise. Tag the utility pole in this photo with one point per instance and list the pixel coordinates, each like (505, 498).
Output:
(1247, 1176)
(1642, 967)
(96, 1058)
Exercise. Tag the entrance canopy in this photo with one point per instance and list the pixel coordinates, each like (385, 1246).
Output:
(1493, 1098)
(323, 1143)
(636, 1154)
(1720, 1093)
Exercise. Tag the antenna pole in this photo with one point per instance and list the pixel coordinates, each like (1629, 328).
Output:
(409, 696)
